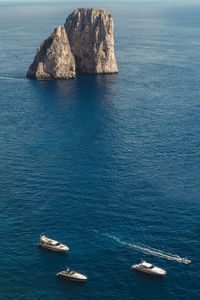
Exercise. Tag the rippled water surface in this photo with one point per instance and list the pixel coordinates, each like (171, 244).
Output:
(107, 164)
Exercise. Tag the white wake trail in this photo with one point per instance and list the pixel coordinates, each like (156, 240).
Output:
(147, 250)
(12, 78)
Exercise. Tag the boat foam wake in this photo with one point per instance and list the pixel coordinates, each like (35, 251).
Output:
(12, 78)
(149, 250)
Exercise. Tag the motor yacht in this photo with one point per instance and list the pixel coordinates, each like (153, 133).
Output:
(185, 261)
(71, 275)
(149, 269)
(53, 245)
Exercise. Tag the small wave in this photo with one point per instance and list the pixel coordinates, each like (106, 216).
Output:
(147, 250)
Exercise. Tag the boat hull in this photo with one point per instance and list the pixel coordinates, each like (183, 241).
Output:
(52, 248)
(149, 272)
(70, 278)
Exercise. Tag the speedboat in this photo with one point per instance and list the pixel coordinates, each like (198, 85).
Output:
(185, 261)
(149, 269)
(71, 275)
(53, 245)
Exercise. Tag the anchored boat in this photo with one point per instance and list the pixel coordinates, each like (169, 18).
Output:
(71, 275)
(53, 245)
(149, 269)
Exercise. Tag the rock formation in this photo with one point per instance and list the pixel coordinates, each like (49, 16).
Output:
(54, 58)
(90, 34)
(84, 44)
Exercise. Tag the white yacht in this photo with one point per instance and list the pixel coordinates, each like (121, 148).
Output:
(149, 269)
(52, 244)
(71, 275)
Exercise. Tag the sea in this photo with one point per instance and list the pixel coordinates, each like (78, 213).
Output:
(106, 164)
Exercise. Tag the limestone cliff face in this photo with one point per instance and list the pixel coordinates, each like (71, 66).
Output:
(90, 34)
(85, 44)
(54, 58)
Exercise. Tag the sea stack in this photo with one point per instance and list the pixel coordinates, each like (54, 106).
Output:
(85, 44)
(90, 34)
(54, 58)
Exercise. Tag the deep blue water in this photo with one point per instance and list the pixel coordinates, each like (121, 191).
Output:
(107, 164)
